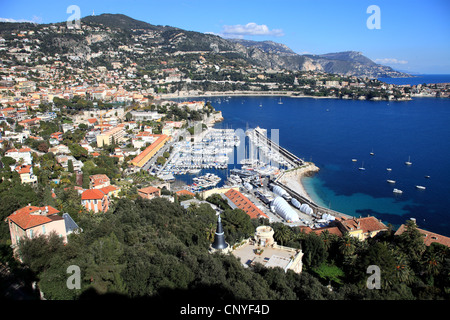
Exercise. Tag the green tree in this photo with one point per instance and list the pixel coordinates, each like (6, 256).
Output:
(70, 166)
(314, 250)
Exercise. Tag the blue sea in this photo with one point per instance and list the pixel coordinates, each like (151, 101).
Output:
(332, 132)
(419, 79)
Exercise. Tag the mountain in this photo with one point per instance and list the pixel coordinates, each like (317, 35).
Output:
(109, 38)
(349, 63)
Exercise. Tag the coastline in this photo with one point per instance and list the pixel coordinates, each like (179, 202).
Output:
(290, 94)
(293, 179)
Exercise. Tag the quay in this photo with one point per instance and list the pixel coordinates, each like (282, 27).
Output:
(259, 139)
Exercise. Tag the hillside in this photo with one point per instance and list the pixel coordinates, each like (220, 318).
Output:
(110, 38)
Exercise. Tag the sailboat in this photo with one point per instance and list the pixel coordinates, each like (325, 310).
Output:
(280, 102)
(408, 163)
(362, 167)
(372, 153)
(260, 105)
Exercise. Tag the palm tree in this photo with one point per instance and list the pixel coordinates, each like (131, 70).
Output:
(403, 271)
(210, 231)
(283, 234)
(346, 245)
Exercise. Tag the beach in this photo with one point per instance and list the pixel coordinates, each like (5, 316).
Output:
(293, 178)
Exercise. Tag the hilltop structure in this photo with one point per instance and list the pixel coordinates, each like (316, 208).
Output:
(219, 244)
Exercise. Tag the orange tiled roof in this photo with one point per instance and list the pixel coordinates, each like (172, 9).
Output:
(367, 224)
(150, 148)
(109, 189)
(242, 202)
(149, 189)
(429, 237)
(185, 192)
(25, 219)
(92, 194)
(331, 230)
(23, 169)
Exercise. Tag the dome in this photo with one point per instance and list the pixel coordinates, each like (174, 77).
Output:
(296, 203)
(306, 209)
(279, 191)
(284, 210)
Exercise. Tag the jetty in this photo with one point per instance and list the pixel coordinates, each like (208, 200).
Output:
(272, 150)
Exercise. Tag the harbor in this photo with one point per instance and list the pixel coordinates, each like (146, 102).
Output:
(266, 173)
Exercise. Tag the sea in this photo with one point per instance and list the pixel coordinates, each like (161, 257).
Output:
(378, 134)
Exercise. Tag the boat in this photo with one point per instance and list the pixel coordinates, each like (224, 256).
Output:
(354, 160)
(260, 105)
(397, 191)
(428, 177)
(390, 181)
(420, 187)
(372, 153)
(388, 169)
(280, 102)
(362, 167)
(408, 163)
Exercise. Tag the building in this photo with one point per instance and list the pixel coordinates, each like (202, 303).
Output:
(361, 228)
(23, 155)
(26, 174)
(107, 137)
(149, 192)
(31, 221)
(146, 115)
(98, 181)
(95, 200)
(237, 200)
(428, 237)
(185, 193)
(263, 249)
(150, 151)
(111, 191)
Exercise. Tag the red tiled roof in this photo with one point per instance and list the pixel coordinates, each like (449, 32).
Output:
(331, 230)
(185, 192)
(92, 194)
(242, 202)
(25, 219)
(109, 189)
(149, 189)
(367, 224)
(23, 169)
(429, 237)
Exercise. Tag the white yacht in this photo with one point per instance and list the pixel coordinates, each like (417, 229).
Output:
(408, 163)
(397, 191)
(390, 181)
(420, 187)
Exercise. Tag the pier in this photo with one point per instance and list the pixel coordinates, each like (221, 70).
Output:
(258, 138)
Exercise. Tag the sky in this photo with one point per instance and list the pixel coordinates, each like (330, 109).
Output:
(411, 36)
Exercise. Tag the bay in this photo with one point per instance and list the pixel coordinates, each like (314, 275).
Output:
(332, 132)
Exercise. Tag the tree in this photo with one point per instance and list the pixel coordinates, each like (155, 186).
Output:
(282, 233)
(70, 166)
(411, 243)
(314, 250)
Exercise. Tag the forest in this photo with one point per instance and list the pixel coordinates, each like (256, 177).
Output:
(156, 249)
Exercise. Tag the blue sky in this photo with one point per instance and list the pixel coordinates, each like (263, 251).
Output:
(414, 35)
